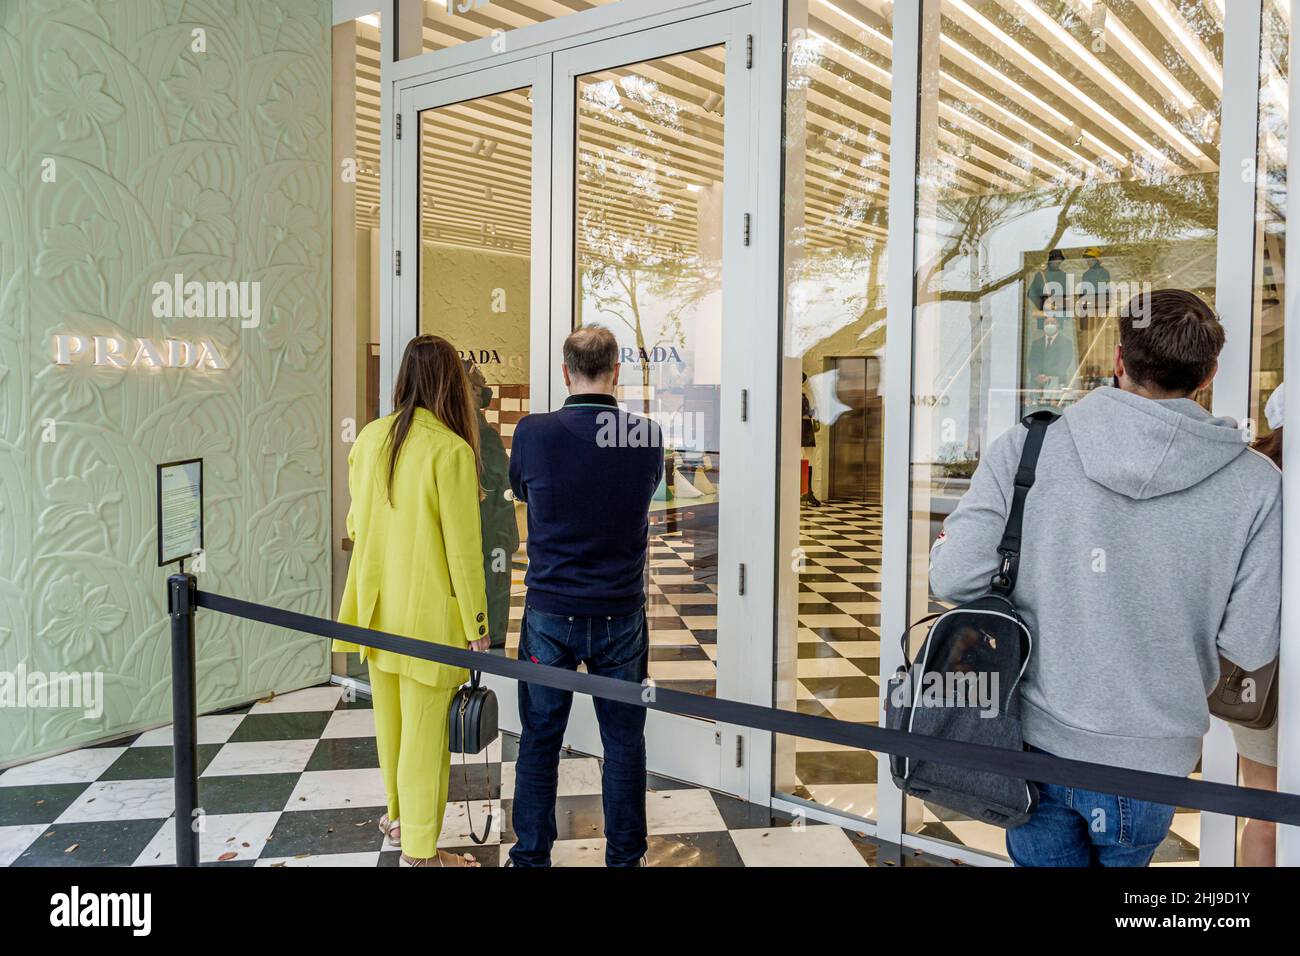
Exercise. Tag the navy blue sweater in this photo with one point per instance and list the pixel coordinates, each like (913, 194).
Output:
(587, 473)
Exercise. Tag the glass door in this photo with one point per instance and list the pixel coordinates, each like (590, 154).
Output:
(605, 183)
(651, 192)
(473, 214)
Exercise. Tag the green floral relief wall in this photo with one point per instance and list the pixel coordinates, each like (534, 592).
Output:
(140, 139)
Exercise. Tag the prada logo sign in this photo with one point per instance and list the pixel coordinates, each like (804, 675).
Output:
(109, 351)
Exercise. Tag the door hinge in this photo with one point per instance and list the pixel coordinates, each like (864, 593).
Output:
(399, 125)
(740, 751)
(397, 262)
(748, 222)
(740, 589)
(744, 404)
(749, 51)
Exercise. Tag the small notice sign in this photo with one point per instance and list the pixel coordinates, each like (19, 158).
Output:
(180, 510)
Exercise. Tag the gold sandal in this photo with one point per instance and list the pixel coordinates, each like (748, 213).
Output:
(392, 830)
(465, 861)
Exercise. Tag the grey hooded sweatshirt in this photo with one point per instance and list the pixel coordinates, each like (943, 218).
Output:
(1152, 541)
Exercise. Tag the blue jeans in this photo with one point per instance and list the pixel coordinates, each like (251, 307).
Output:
(611, 647)
(1074, 827)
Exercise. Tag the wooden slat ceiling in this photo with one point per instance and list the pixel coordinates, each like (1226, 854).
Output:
(1031, 95)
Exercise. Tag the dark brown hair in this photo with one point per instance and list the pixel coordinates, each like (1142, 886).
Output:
(1170, 340)
(591, 352)
(431, 377)
(1271, 445)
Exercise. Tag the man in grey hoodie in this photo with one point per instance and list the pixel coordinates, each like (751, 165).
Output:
(1152, 543)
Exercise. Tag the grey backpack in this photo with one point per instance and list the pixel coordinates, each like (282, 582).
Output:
(964, 682)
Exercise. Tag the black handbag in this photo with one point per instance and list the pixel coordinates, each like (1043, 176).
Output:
(936, 693)
(472, 728)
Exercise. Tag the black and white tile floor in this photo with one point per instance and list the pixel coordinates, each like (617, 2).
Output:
(681, 602)
(294, 781)
(838, 673)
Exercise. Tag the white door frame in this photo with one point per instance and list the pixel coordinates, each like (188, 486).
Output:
(1288, 767)
(402, 324)
(534, 73)
(696, 750)
(548, 58)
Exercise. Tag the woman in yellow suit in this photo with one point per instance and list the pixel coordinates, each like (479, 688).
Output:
(417, 570)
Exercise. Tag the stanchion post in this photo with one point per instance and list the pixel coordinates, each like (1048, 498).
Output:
(185, 722)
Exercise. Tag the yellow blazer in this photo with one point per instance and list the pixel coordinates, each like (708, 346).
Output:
(417, 564)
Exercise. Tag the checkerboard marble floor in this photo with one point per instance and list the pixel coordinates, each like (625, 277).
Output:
(838, 673)
(681, 605)
(294, 781)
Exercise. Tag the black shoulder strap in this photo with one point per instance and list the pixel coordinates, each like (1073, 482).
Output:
(1004, 582)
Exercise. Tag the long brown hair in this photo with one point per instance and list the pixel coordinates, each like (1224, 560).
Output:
(1271, 445)
(431, 377)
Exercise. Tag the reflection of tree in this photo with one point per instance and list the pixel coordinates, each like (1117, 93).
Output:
(1148, 211)
(629, 263)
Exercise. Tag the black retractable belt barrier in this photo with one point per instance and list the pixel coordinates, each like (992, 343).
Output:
(1138, 784)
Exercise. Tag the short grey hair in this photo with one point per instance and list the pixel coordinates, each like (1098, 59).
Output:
(591, 352)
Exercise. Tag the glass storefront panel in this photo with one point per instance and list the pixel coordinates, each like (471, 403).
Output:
(827, 654)
(1068, 159)
(1258, 749)
(1270, 213)
(355, 250)
(443, 24)
(474, 285)
(648, 266)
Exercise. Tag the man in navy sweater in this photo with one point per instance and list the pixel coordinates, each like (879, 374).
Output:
(587, 473)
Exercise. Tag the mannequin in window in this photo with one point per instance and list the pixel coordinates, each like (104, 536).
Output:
(496, 514)
(1094, 289)
(1052, 362)
(1047, 288)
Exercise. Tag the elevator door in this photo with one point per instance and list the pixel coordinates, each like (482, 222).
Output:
(855, 434)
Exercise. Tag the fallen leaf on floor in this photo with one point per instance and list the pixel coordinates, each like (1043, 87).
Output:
(71, 848)
(228, 855)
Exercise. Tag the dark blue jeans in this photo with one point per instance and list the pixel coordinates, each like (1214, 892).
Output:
(1074, 827)
(611, 647)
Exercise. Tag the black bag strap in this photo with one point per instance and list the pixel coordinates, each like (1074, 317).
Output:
(474, 677)
(1004, 581)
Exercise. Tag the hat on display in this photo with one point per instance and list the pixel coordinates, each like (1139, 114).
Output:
(1273, 408)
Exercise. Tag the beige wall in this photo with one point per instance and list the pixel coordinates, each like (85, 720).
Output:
(459, 288)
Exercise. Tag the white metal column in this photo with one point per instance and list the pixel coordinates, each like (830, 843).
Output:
(1288, 748)
(766, 138)
(897, 374)
(1234, 301)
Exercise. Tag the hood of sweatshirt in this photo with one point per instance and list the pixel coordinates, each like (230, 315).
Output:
(1144, 448)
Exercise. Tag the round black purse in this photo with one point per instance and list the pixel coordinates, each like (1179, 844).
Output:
(472, 726)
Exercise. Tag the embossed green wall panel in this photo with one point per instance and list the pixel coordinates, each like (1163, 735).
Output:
(129, 155)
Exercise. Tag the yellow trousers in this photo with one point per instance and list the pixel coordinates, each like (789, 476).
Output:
(411, 735)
